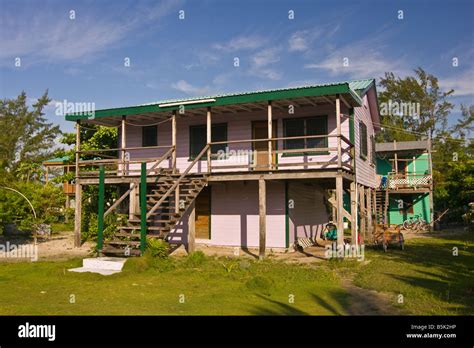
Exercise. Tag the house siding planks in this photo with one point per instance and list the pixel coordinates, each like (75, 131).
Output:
(235, 215)
(307, 211)
(365, 170)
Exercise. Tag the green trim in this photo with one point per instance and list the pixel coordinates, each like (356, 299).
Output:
(100, 214)
(287, 218)
(143, 208)
(310, 153)
(251, 97)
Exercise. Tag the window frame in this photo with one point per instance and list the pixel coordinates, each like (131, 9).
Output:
(305, 130)
(192, 156)
(363, 141)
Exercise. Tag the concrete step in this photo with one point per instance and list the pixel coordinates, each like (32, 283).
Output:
(101, 265)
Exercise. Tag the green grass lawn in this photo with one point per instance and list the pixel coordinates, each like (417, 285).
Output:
(431, 279)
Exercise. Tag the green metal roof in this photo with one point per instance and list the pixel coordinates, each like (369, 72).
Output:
(353, 90)
(58, 160)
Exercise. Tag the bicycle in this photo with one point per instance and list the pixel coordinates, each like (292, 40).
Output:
(415, 224)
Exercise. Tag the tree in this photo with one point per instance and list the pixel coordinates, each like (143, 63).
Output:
(465, 124)
(420, 93)
(27, 138)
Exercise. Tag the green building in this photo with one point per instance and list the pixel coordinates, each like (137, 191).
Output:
(406, 187)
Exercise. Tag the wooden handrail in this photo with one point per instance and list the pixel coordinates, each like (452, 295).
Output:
(165, 156)
(118, 201)
(124, 149)
(172, 188)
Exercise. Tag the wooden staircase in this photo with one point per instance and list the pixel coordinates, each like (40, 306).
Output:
(381, 205)
(163, 213)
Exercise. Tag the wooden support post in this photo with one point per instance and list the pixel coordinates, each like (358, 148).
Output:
(338, 124)
(262, 209)
(192, 229)
(123, 144)
(143, 208)
(173, 141)
(134, 202)
(354, 208)
(339, 208)
(363, 212)
(100, 213)
(209, 138)
(369, 227)
(176, 200)
(78, 195)
(395, 159)
(270, 116)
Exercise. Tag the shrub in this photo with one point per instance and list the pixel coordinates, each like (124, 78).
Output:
(157, 248)
(194, 259)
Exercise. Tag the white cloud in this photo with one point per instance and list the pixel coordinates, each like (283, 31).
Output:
(186, 87)
(241, 43)
(364, 60)
(52, 36)
(298, 42)
(462, 83)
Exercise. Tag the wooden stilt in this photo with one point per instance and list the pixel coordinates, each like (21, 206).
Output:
(369, 228)
(363, 211)
(354, 208)
(338, 126)
(192, 229)
(262, 208)
(339, 207)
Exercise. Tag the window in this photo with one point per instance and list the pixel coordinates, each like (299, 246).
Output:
(297, 127)
(149, 136)
(198, 139)
(363, 140)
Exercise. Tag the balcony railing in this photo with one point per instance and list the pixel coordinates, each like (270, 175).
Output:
(408, 181)
(234, 156)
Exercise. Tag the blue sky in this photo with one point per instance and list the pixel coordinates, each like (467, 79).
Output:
(82, 59)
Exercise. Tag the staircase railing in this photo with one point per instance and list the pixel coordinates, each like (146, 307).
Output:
(156, 164)
(181, 177)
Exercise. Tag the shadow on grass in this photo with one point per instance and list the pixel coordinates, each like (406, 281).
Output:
(449, 277)
(340, 298)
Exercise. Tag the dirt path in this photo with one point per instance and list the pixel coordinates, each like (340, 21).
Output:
(368, 302)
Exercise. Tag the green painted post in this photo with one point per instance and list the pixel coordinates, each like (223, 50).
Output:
(100, 217)
(143, 208)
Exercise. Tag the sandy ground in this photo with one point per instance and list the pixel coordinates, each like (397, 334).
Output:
(59, 247)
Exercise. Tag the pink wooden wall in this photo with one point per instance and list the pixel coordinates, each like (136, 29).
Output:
(235, 217)
(365, 170)
(307, 212)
